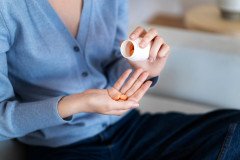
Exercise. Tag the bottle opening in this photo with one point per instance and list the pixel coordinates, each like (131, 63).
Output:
(129, 49)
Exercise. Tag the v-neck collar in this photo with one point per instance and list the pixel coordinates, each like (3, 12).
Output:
(81, 36)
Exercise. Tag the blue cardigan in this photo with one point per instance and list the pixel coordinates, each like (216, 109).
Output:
(40, 61)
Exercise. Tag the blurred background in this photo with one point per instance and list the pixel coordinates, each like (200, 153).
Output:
(203, 71)
(223, 15)
(151, 9)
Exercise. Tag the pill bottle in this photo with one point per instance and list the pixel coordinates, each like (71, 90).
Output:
(132, 51)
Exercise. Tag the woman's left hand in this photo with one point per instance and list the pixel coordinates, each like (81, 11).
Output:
(159, 51)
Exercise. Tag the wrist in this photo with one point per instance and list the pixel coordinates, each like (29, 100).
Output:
(70, 105)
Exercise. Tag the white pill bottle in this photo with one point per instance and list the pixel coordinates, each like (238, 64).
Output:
(132, 51)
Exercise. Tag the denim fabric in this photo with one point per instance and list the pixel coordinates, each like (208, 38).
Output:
(231, 145)
(171, 136)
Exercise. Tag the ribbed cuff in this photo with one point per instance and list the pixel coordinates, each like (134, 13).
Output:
(32, 116)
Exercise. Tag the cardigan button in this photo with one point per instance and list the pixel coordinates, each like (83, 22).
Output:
(84, 74)
(76, 48)
(104, 125)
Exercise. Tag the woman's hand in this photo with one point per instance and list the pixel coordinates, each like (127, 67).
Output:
(102, 101)
(159, 51)
(133, 89)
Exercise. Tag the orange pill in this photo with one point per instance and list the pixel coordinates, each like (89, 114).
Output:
(123, 97)
(131, 48)
(117, 97)
(131, 52)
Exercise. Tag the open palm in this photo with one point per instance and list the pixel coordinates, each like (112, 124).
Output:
(105, 102)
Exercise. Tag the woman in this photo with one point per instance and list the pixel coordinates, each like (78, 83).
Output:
(60, 67)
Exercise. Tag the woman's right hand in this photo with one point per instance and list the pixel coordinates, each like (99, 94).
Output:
(102, 101)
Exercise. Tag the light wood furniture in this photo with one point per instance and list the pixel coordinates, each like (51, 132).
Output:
(168, 20)
(208, 18)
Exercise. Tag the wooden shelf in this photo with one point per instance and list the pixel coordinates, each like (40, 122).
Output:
(168, 20)
(208, 18)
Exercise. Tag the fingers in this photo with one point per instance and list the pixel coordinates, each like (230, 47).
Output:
(163, 51)
(123, 105)
(137, 84)
(158, 50)
(141, 91)
(138, 32)
(131, 81)
(156, 46)
(148, 37)
(122, 79)
(114, 93)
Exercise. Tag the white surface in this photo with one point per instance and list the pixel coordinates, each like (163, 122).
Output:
(153, 104)
(230, 5)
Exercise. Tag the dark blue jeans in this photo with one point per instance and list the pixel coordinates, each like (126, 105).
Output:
(171, 136)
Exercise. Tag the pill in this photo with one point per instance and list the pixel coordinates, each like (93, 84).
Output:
(123, 97)
(131, 48)
(116, 97)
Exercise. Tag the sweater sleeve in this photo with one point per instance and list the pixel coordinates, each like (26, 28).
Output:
(119, 64)
(18, 119)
